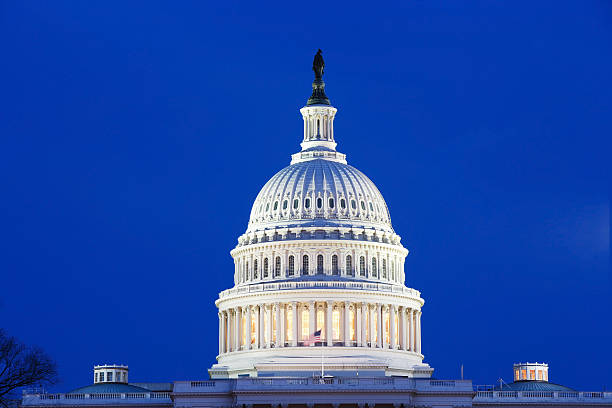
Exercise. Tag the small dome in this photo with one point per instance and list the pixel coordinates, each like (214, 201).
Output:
(533, 386)
(319, 192)
(109, 388)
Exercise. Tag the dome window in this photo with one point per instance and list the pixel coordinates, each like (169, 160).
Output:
(331, 203)
(353, 205)
(265, 268)
(285, 205)
(319, 203)
(349, 265)
(255, 271)
(291, 265)
(275, 205)
(342, 203)
(296, 202)
(305, 265)
(363, 206)
(384, 268)
(334, 264)
(320, 264)
(307, 203)
(362, 266)
(371, 207)
(267, 207)
(277, 267)
(374, 268)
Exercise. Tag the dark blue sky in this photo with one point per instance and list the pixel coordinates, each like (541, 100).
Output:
(136, 135)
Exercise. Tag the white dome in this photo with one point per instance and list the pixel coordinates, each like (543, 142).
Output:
(319, 193)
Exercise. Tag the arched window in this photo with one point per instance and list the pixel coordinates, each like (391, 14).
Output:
(305, 265)
(374, 268)
(371, 207)
(342, 203)
(275, 205)
(255, 271)
(277, 265)
(320, 264)
(267, 207)
(331, 203)
(284, 204)
(349, 265)
(248, 273)
(353, 205)
(291, 265)
(334, 264)
(296, 202)
(384, 268)
(392, 270)
(362, 266)
(363, 206)
(265, 268)
(319, 202)
(307, 203)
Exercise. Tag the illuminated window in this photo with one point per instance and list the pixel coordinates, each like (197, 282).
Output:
(265, 268)
(295, 204)
(387, 322)
(384, 268)
(523, 374)
(253, 327)
(243, 327)
(374, 268)
(545, 375)
(289, 325)
(277, 266)
(532, 374)
(321, 323)
(291, 265)
(517, 375)
(255, 271)
(334, 264)
(336, 325)
(320, 264)
(349, 265)
(305, 324)
(362, 266)
(539, 375)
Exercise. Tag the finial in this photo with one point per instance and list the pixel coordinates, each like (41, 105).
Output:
(318, 96)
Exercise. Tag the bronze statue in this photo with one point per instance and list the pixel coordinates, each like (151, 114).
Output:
(318, 64)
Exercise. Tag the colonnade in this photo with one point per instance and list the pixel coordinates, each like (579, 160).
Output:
(342, 323)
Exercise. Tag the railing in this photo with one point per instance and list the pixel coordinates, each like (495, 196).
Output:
(29, 399)
(544, 395)
(441, 383)
(272, 286)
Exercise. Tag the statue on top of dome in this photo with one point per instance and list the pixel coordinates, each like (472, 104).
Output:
(318, 64)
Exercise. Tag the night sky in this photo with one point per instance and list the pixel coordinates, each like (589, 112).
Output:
(136, 135)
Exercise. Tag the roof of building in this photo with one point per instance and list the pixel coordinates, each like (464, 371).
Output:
(107, 388)
(533, 386)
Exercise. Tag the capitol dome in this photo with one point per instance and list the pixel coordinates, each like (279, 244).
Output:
(319, 271)
(319, 192)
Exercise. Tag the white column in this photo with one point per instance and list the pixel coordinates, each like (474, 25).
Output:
(411, 321)
(358, 325)
(220, 333)
(282, 323)
(278, 323)
(364, 310)
(402, 319)
(262, 325)
(372, 339)
(295, 324)
(237, 320)
(256, 310)
(230, 330)
(248, 328)
(347, 329)
(269, 327)
(392, 314)
(386, 310)
(418, 341)
(329, 330)
(312, 319)
(379, 325)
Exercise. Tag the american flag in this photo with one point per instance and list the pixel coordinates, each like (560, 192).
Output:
(313, 338)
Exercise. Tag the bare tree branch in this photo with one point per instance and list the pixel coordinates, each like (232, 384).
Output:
(22, 366)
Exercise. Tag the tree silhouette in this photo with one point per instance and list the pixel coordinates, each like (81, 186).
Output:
(22, 366)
